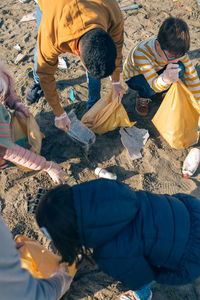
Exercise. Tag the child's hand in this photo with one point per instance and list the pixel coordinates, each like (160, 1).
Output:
(56, 173)
(65, 280)
(118, 91)
(19, 106)
(63, 122)
(171, 73)
(18, 245)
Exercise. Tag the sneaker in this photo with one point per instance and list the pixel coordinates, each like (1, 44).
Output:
(34, 94)
(142, 106)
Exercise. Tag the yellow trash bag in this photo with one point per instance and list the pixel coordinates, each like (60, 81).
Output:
(177, 117)
(106, 115)
(39, 261)
(26, 133)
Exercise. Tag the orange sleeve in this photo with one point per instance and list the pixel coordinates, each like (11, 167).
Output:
(46, 69)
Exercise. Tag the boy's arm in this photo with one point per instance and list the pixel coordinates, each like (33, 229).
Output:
(46, 69)
(143, 62)
(191, 77)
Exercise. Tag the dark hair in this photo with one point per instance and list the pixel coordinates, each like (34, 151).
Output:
(56, 213)
(98, 53)
(174, 36)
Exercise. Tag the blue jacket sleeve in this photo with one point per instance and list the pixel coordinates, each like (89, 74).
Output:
(133, 273)
(122, 258)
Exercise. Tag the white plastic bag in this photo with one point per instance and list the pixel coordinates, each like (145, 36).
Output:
(191, 162)
(133, 140)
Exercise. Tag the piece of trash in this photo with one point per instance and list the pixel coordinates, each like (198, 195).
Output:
(32, 203)
(17, 47)
(191, 162)
(29, 17)
(72, 95)
(133, 140)
(130, 7)
(79, 132)
(19, 57)
(30, 67)
(62, 63)
(103, 173)
(24, 1)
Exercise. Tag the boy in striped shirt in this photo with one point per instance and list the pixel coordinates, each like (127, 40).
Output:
(153, 65)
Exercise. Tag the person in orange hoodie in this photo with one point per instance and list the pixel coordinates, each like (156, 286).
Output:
(93, 30)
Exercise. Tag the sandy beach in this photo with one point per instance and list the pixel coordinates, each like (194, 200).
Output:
(159, 169)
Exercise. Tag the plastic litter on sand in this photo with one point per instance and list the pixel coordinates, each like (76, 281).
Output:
(19, 57)
(191, 162)
(103, 173)
(29, 17)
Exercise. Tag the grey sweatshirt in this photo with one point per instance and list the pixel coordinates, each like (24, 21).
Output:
(17, 283)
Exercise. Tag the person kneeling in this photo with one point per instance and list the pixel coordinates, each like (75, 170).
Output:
(137, 237)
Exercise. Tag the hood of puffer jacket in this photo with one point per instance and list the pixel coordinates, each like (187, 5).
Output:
(101, 215)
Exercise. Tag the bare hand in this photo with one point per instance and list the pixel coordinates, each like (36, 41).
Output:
(19, 106)
(63, 122)
(18, 245)
(118, 92)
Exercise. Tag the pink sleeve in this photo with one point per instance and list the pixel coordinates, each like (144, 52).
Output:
(26, 158)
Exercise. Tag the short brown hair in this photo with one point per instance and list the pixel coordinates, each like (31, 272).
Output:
(174, 36)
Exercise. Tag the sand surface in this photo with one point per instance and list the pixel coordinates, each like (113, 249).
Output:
(158, 171)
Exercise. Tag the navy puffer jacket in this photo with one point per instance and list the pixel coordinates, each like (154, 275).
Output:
(138, 236)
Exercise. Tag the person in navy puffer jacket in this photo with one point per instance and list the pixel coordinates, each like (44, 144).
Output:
(137, 237)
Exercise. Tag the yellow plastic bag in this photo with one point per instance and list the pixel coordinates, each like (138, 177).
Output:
(106, 115)
(26, 133)
(177, 117)
(39, 261)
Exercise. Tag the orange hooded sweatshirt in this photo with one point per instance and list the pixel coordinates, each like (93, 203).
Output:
(63, 23)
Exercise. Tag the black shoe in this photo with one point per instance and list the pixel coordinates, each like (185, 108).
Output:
(34, 94)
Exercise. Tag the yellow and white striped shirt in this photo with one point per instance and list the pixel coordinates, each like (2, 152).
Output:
(143, 59)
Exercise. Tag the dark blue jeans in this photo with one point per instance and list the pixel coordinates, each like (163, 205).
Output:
(94, 88)
(94, 85)
(140, 84)
(38, 15)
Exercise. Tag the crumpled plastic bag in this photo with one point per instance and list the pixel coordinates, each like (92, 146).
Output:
(106, 115)
(38, 260)
(79, 132)
(177, 117)
(133, 140)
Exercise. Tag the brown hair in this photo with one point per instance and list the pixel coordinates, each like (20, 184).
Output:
(174, 36)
